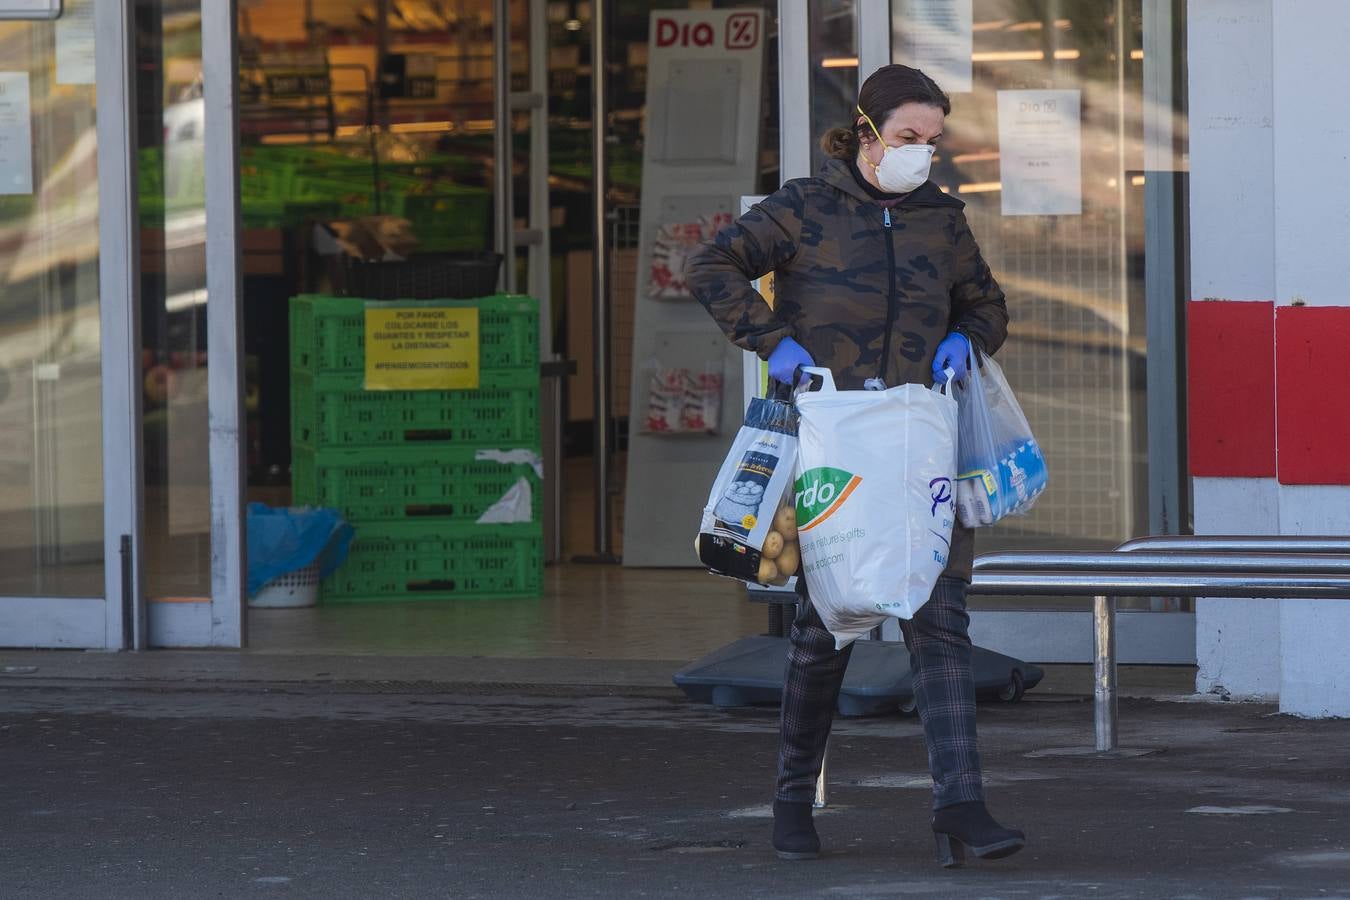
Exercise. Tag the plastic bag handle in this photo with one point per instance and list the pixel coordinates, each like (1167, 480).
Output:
(825, 375)
(778, 390)
(948, 386)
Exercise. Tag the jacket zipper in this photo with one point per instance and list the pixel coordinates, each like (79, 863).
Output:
(890, 299)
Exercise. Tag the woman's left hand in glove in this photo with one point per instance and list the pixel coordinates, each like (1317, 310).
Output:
(953, 353)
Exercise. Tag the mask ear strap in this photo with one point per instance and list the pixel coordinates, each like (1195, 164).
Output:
(875, 130)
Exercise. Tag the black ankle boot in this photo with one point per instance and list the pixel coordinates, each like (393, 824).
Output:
(794, 835)
(965, 825)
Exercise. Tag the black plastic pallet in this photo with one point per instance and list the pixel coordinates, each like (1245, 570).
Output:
(749, 672)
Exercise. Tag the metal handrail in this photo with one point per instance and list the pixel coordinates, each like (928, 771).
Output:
(1258, 566)
(1217, 569)
(1246, 543)
(1116, 583)
(1173, 562)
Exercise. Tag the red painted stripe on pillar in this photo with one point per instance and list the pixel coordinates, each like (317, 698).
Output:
(1312, 346)
(1231, 406)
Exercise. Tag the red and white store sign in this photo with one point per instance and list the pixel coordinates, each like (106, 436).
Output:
(724, 31)
(1268, 391)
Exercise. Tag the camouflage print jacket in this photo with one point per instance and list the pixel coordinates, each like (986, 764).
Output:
(869, 291)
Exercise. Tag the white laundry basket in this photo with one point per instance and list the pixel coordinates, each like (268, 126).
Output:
(294, 589)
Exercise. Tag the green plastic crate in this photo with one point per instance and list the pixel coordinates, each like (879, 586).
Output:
(402, 483)
(335, 411)
(413, 561)
(328, 334)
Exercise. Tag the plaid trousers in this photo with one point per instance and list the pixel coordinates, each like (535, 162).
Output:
(939, 657)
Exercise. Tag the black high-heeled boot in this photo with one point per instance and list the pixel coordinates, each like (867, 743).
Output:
(794, 834)
(965, 825)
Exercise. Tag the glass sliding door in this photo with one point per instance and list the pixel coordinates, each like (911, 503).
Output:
(189, 372)
(1046, 147)
(171, 132)
(67, 520)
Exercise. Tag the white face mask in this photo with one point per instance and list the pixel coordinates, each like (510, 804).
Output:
(902, 169)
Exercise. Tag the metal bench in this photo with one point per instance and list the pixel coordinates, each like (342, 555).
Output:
(1274, 567)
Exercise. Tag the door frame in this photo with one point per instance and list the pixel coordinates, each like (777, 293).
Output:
(228, 626)
(220, 621)
(120, 320)
(1037, 634)
(116, 620)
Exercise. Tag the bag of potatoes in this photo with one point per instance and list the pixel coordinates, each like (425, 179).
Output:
(749, 527)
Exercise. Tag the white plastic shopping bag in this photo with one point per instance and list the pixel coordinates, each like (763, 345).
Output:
(749, 529)
(1001, 470)
(875, 510)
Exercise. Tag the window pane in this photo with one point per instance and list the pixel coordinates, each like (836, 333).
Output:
(1074, 278)
(173, 299)
(51, 447)
(834, 69)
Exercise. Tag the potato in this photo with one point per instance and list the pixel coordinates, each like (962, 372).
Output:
(773, 545)
(789, 559)
(767, 571)
(785, 522)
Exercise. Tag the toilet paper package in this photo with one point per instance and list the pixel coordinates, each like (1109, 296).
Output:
(747, 497)
(1000, 467)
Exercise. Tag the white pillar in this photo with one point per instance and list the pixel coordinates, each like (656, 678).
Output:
(1232, 231)
(1315, 667)
(1232, 195)
(1237, 650)
(1312, 230)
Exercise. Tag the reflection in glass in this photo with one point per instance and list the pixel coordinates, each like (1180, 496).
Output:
(832, 33)
(344, 116)
(347, 113)
(51, 453)
(1074, 282)
(173, 299)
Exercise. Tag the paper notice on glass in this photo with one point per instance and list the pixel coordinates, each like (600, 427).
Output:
(75, 43)
(16, 135)
(1040, 152)
(935, 36)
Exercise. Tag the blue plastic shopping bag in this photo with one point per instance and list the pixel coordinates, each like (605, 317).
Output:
(1000, 467)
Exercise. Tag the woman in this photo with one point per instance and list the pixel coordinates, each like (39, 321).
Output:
(879, 279)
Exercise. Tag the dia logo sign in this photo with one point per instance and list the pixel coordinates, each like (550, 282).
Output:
(821, 492)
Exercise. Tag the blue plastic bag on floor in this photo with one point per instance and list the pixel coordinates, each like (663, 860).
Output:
(281, 541)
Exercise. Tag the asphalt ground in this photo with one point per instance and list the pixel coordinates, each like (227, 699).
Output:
(302, 788)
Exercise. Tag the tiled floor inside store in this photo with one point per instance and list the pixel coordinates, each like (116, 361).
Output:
(601, 612)
(587, 611)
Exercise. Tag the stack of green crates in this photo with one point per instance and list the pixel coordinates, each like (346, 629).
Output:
(408, 468)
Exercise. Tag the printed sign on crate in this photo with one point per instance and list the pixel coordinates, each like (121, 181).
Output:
(421, 347)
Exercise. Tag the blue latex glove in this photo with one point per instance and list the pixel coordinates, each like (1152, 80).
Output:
(785, 359)
(953, 353)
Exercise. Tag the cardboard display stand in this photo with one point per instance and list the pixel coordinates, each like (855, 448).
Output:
(701, 155)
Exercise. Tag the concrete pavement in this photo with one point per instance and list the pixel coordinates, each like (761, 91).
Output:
(198, 666)
(153, 788)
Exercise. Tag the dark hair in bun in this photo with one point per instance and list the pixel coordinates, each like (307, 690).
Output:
(885, 90)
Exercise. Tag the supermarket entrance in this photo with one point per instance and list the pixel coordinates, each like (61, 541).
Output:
(375, 130)
(364, 137)
(363, 140)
